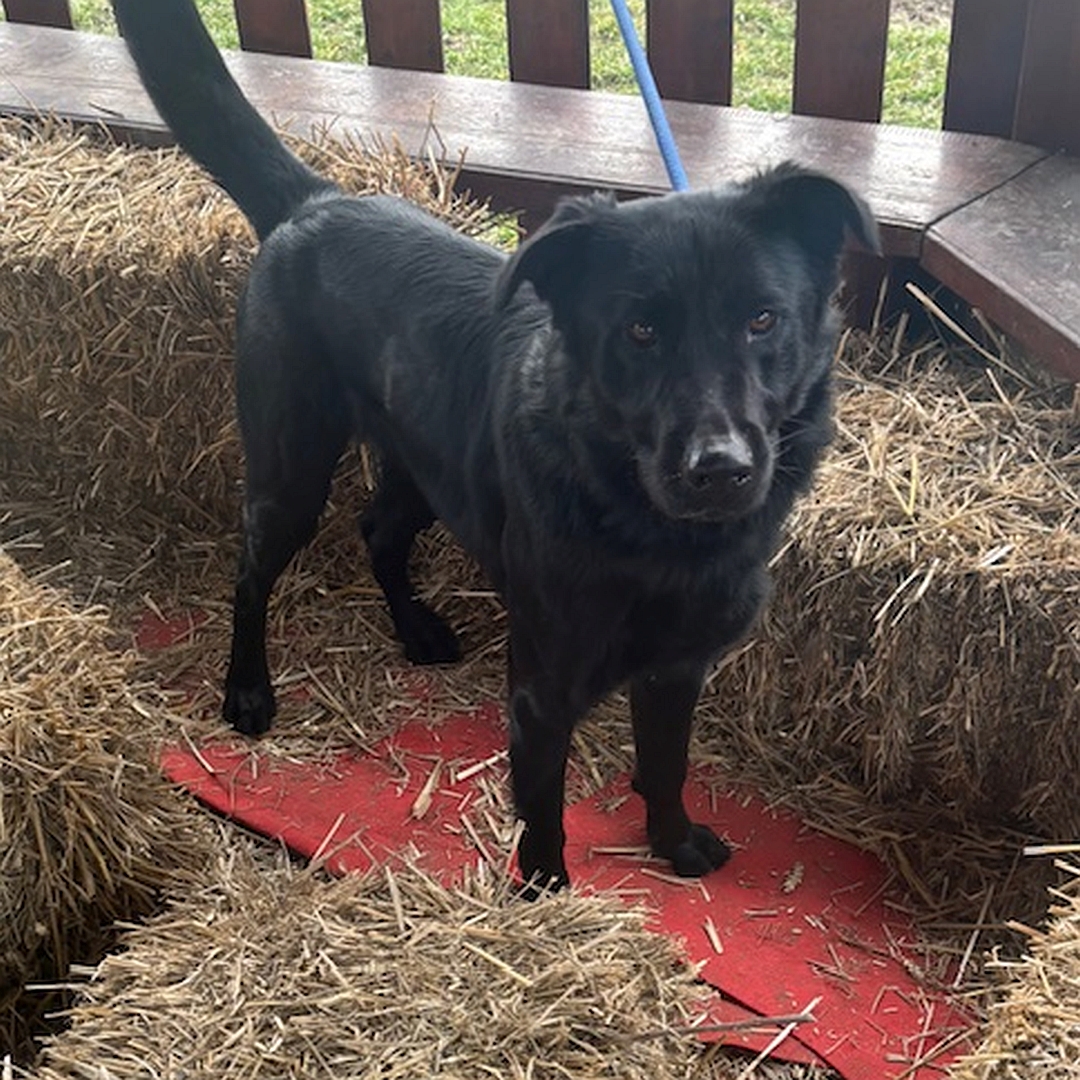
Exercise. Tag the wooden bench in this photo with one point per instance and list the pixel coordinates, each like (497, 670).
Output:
(990, 215)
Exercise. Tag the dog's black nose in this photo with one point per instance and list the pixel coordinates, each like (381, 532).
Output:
(718, 461)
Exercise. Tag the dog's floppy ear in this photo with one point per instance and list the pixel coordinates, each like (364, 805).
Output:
(551, 259)
(812, 208)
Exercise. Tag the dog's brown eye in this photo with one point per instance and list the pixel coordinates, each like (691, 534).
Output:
(642, 333)
(761, 323)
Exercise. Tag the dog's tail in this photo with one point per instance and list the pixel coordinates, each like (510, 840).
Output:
(187, 80)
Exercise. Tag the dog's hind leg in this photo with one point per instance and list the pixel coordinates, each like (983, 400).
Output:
(397, 513)
(289, 469)
(661, 708)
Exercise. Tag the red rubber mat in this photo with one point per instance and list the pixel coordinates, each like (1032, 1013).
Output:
(794, 918)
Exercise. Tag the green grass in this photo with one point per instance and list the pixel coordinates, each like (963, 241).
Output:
(474, 38)
(915, 75)
(474, 34)
(763, 54)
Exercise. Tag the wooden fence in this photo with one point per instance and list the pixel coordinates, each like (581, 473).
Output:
(1014, 65)
(987, 206)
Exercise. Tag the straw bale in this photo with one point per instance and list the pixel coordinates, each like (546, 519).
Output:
(912, 686)
(922, 646)
(89, 831)
(924, 622)
(266, 971)
(1033, 1030)
(119, 459)
(119, 271)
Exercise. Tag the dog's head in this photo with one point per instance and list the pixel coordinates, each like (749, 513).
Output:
(695, 325)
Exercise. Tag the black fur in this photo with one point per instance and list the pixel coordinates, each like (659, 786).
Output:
(614, 422)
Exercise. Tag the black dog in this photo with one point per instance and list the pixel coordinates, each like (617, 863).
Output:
(614, 422)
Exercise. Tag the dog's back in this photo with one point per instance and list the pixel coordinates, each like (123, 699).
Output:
(396, 306)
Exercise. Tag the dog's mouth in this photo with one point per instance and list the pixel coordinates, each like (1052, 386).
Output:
(715, 478)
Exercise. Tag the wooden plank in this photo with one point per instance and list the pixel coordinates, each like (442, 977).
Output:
(39, 12)
(1048, 98)
(689, 46)
(273, 26)
(911, 176)
(840, 58)
(1015, 253)
(525, 145)
(535, 137)
(548, 41)
(404, 34)
(985, 51)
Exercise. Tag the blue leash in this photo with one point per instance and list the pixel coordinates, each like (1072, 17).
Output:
(647, 84)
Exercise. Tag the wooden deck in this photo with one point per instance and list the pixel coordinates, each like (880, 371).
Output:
(1015, 252)
(996, 220)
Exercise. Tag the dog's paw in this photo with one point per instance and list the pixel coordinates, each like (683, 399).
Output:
(425, 637)
(541, 866)
(541, 883)
(250, 709)
(700, 852)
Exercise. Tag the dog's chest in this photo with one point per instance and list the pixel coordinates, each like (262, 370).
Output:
(617, 626)
(694, 622)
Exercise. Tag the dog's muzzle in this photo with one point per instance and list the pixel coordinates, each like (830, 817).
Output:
(714, 476)
(720, 464)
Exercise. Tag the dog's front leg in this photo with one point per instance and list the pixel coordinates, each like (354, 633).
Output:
(538, 752)
(662, 709)
(541, 721)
